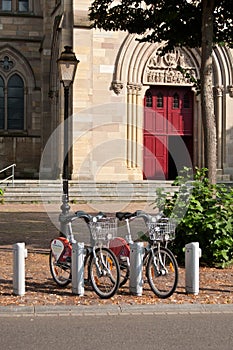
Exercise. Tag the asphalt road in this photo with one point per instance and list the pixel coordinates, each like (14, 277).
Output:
(199, 331)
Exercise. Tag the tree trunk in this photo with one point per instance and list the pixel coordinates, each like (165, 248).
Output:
(207, 98)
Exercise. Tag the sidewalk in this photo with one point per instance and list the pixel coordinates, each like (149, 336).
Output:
(113, 310)
(35, 226)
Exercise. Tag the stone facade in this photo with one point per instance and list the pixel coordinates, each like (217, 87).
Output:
(24, 43)
(114, 74)
(107, 97)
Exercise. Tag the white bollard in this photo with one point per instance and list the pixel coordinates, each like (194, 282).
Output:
(136, 267)
(78, 255)
(192, 256)
(19, 255)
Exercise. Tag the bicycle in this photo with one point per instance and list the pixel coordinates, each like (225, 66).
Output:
(102, 264)
(160, 263)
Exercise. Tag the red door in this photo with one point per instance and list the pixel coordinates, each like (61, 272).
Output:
(168, 126)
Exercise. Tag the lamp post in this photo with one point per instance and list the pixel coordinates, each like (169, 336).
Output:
(67, 65)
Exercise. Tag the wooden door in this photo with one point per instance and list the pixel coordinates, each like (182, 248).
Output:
(168, 113)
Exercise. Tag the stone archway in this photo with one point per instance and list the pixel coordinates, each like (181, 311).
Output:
(139, 66)
(147, 69)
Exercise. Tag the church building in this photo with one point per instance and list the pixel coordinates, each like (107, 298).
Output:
(133, 115)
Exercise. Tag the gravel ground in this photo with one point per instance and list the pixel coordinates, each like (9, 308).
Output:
(31, 224)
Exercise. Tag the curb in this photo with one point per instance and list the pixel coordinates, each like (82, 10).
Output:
(109, 310)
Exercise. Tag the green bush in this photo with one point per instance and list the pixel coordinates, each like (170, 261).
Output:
(1, 194)
(208, 219)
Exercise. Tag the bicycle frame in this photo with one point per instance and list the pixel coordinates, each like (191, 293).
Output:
(102, 263)
(158, 259)
(160, 271)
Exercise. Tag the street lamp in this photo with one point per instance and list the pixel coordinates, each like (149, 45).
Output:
(67, 65)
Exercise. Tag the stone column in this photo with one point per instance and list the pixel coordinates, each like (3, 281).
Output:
(129, 125)
(219, 124)
(133, 130)
(139, 131)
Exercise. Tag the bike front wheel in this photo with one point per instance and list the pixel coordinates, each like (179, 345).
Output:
(104, 272)
(60, 271)
(162, 272)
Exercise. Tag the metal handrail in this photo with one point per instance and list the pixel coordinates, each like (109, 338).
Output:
(12, 176)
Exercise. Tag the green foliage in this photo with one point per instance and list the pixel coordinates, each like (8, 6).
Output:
(1, 194)
(196, 82)
(208, 219)
(178, 22)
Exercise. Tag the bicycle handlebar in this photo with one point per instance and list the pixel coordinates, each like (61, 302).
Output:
(88, 217)
(139, 214)
(80, 214)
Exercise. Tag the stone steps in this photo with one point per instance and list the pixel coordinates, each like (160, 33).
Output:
(29, 191)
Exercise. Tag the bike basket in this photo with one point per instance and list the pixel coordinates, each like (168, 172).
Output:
(103, 230)
(163, 230)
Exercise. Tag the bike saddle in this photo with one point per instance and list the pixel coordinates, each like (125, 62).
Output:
(124, 215)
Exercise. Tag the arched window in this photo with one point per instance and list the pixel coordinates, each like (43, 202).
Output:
(6, 5)
(176, 101)
(159, 100)
(12, 103)
(15, 103)
(2, 104)
(14, 5)
(23, 5)
(149, 102)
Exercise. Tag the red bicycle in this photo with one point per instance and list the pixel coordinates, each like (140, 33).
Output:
(102, 264)
(160, 263)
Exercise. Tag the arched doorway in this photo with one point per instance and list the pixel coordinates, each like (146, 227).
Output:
(140, 64)
(168, 129)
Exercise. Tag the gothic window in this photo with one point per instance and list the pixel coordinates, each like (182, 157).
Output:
(14, 5)
(6, 5)
(12, 103)
(23, 6)
(160, 100)
(149, 102)
(175, 101)
(186, 101)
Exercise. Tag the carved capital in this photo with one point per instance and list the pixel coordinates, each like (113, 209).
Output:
(138, 88)
(230, 90)
(219, 90)
(134, 88)
(129, 88)
(117, 86)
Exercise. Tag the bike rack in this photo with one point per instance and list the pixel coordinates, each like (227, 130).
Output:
(136, 267)
(19, 255)
(192, 256)
(78, 256)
